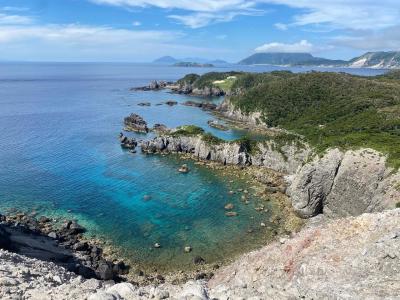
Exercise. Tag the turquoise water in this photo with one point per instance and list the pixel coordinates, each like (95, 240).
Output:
(59, 154)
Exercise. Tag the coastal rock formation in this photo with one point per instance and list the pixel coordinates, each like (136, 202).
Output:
(343, 184)
(153, 86)
(350, 258)
(135, 123)
(229, 111)
(202, 105)
(63, 245)
(226, 153)
(128, 143)
(286, 158)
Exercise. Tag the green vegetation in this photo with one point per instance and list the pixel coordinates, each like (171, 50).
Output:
(192, 130)
(212, 139)
(398, 205)
(328, 109)
(207, 80)
(188, 130)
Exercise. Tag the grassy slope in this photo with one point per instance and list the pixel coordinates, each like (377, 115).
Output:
(328, 109)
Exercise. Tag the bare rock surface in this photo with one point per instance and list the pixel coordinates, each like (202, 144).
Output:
(344, 184)
(350, 258)
(286, 159)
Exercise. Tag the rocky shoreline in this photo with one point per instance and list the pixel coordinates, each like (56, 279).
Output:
(348, 258)
(64, 244)
(184, 88)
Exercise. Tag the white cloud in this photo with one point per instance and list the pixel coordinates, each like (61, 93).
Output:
(302, 46)
(73, 42)
(351, 14)
(14, 8)
(14, 19)
(190, 5)
(202, 19)
(281, 26)
(136, 23)
(387, 39)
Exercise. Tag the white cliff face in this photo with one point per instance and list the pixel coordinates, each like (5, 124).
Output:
(343, 184)
(286, 159)
(231, 112)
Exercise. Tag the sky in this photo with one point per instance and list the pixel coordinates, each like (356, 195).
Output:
(141, 30)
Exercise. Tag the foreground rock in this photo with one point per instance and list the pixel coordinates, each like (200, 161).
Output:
(63, 245)
(135, 123)
(351, 258)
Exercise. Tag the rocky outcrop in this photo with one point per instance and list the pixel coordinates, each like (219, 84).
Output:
(127, 143)
(188, 89)
(350, 258)
(231, 112)
(225, 153)
(343, 184)
(153, 86)
(135, 123)
(202, 105)
(282, 158)
(63, 245)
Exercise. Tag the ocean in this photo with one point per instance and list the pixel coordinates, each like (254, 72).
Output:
(60, 156)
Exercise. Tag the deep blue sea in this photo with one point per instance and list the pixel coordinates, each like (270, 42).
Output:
(60, 155)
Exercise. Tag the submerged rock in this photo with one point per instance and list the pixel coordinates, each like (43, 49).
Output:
(202, 105)
(231, 214)
(217, 125)
(171, 102)
(184, 169)
(229, 206)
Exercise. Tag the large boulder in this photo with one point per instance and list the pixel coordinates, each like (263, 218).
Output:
(344, 184)
(313, 183)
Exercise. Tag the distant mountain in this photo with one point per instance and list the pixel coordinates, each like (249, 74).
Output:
(166, 60)
(378, 60)
(218, 62)
(193, 64)
(172, 60)
(291, 59)
(382, 60)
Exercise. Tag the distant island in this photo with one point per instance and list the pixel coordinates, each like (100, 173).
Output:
(193, 65)
(169, 60)
(376, 60)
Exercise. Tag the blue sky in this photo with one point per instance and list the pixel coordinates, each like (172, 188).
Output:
(141, 30)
